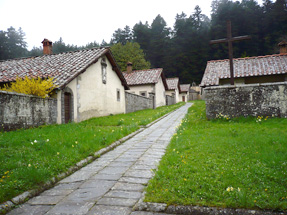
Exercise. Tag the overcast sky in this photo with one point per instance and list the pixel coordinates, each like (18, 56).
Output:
(83, 21)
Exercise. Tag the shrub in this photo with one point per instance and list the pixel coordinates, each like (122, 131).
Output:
(38, 87)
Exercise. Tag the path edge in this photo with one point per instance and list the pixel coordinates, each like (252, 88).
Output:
(7, 206)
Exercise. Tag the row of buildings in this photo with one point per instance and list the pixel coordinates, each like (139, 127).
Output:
(90, 83)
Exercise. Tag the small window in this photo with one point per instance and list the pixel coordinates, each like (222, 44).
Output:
(143, 93)
(104, 70)
(118, 95)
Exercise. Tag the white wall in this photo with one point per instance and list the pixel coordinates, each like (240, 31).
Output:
(176, 94)
(97, 98)
(184, 94)
(160, 93)
(93, 98)
(149, 88)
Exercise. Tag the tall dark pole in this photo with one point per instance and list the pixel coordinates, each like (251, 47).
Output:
(229, 40)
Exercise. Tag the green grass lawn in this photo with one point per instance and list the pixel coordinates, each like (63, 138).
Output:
(234, 163)
(28, 158)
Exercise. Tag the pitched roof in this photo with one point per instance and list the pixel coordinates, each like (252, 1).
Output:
(64, 67)
(244, 67)
(184, 87)
(172, 83)
(141, 77)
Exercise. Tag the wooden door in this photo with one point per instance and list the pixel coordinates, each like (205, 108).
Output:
(67, 107)
(183, 98)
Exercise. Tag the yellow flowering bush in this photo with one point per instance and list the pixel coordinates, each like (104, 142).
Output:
(38, 87)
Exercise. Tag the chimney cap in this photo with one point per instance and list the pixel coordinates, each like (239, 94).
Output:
(282, 43)
(46, 40)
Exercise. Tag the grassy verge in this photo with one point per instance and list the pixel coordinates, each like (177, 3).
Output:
(234, 163)
(28, 158)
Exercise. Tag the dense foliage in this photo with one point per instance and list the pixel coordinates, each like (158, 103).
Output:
(130, 52)
(184, 50)
(38, 87)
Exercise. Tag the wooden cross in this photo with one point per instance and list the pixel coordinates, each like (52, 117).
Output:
(229, 40)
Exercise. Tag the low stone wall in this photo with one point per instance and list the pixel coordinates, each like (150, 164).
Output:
(24, 111)
(170, 100)
(269, 99)
(136, 102)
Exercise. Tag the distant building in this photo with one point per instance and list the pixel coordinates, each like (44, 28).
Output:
(148, 83)
(250, 70)
(173, 88)
(184, 92)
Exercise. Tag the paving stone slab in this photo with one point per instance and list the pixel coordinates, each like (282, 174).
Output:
(45, 200)
(86, 195)
(78, 176)
(120, 164)
(124, 194)
(128, 187)
(100, 184)
(57, 192)
(114, 170)
(92, 168)
(126, 159)
(31, 209)
(67, 186)
(143, 167)
(143, 181)
(109, 210)
(111, 177)
(139, 173)
(71, 208)
(117, 202)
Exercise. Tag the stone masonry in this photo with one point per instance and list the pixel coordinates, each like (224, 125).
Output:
(114, 183)
(136, 102)
(268, 99)
(24, 111)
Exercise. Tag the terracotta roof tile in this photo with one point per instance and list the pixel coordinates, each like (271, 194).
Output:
(139, 77)
(64, 67)
(244, 67)
(172, 83)
(184, 87)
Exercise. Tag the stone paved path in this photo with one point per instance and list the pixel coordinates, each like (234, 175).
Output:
(114, 183)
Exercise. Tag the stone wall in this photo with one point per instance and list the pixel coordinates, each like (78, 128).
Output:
(136, 102)
(269, 99)
(24, 111)
(170, 100)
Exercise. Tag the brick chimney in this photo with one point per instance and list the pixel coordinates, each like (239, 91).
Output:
(47, 47)
(283, 47)
(129, 67)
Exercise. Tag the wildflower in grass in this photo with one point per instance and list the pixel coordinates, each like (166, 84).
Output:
(255, 201)
(228, 189)
(5, 173)
(29, 165)
(47, 140)
(58, 153)
(265, 189)
(32, 143)
(3, 176)
(112, 130)
(35, 141)
(73, 146)
(1, 180)
(185, 179)
(173, 150)
(238, 189)
(76, 142)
